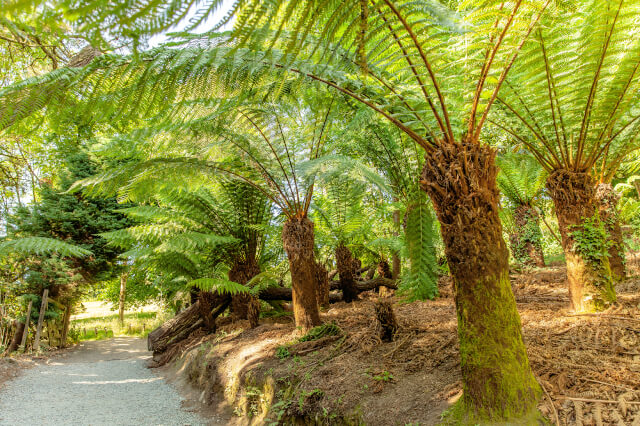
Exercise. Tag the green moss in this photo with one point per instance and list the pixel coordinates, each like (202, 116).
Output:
(460, 415)
(498, 383)
(591, 247)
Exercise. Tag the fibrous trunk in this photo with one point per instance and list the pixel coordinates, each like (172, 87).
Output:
(497, 380)
(298, 241)
(385, 272)
(387, 320)
(345, 266)
(607, 199)
(322, 288)
(588, 271)
(242, 305)
(526, 241)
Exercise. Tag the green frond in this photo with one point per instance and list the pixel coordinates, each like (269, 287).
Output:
(521, 178)
(219, 285)
(421, 282)
(42, 246)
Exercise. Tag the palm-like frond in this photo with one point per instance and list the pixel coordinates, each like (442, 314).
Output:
(572, 99)
(401, 59)
(41, 246)
(420, 238)
(521, 179)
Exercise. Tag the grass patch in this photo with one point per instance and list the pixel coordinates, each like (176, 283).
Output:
(137, 324)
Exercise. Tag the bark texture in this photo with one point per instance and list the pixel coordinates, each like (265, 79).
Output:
(176, 329)
(298, 241)
(322, 289)
(497, 379)
(526, 241)
(284, 293)
(17, 337)
(384, 272)
(590, 283)
(607, 199)
(387, 320)
(242, 272)
(346, 265)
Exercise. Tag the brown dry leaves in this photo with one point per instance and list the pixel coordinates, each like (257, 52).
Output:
(589, 365)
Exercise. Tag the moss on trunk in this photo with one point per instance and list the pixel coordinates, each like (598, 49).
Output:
(588, 270)
(298, 240)
(526, 241)
(497, 379)
(607, 199)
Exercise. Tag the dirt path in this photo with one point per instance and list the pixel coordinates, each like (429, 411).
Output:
(99, 383)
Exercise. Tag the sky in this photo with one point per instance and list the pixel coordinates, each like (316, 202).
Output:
(203, 27)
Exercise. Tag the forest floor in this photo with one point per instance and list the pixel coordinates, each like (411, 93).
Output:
(589, 366)
(99, 383)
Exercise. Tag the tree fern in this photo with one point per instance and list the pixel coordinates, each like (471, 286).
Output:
(521, 178)
(572, 99)
(422, 280)
(41, 246)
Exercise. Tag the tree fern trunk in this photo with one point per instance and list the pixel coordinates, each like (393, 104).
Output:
(298, 240)
(588, 270)
(345, 266)
(242, 272)
(526, 244)
(497, 380)
(607, 199)
(322, 288)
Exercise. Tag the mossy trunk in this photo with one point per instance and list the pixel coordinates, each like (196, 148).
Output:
(607, 199)
(526, 241)
(346, 266)
(298, 241)
(242, 304)
(588, 271)
(497, 379)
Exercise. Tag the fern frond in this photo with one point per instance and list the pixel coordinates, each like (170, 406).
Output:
(41, 246)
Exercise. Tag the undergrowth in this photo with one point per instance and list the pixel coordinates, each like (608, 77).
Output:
(137, 324)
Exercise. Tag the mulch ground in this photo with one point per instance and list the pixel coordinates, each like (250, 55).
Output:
(588, 366)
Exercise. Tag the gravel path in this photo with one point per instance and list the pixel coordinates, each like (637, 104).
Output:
(100, 383)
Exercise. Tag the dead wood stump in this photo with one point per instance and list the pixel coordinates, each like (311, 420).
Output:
(387, 320)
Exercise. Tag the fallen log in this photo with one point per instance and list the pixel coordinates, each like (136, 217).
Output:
(201, 314)
(176, 329)
(284, 293)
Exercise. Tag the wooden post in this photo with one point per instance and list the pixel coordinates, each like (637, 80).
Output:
(43, 308)
(26, 326)
(123, 292)
(65, 325)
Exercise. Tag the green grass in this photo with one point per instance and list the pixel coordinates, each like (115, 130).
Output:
(135, 324)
